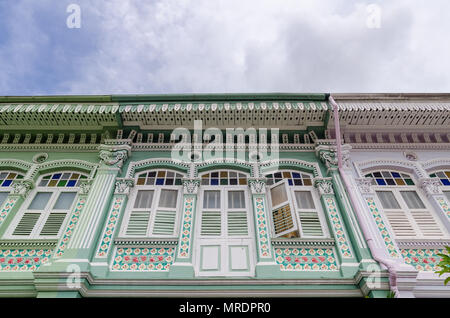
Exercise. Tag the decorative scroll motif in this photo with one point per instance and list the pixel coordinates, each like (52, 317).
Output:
(365, 185)
(107, 237)
(114, 155)
(382, 228)
(9, 204)
(85, 186)
(22, 187)
(263, 233)
(257, 186)
(306, 259)
(324, 185)
(423, 259)
(143, 259)
(430, 186)
(341, 239)
(444, 206)
(70, 227)
(190, 186)
(23, 259)
(186, 230)
(123, 186)
(329, 159)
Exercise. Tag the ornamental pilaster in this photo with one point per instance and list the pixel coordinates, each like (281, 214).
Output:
(257, 185)
(323, 185)
(22, 187)
(123, 186)
(190, 186)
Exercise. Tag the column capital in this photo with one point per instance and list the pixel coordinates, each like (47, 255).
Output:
(85, 186)
(22, 187)
(190, 186)
(365, 185)
(257, 185)
(324, 185)
(123, 185)
(431, 186)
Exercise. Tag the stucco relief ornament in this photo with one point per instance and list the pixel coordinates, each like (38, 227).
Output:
(85, 186)
(324, 185)
(22, 187)
(365, 185)
(329, 158)
(257, 186)
(430, 186)
(114, 155)
(123, 186)
(190, 186)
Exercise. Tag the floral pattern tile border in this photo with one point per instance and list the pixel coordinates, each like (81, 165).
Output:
(23, 259)
(336, 222)
(143, 259)
(263, 233)
(7, 207)
(108, 232)
(388, 242)
(186, 230)
(306, 259)
(444, 205)
(423, 259)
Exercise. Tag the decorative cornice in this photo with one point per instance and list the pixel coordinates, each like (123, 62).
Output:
(324, 185)
(365, 185)
(22, 187)
(190, 186)
(431, 186)
(257, 185)
(123, 185)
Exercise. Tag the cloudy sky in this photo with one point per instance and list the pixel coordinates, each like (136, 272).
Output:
(210, 46)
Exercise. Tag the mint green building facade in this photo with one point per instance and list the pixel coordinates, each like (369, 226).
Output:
(163, 196)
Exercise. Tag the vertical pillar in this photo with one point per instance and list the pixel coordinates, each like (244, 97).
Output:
(183, 263)
(266, 266)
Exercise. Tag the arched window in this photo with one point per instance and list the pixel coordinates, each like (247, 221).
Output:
(295, 206)
(407, 212)
(45, 211)
(444, 178)
(6, 180)
(153, 205)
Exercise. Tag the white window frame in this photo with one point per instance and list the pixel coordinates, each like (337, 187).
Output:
(154, 207)
(291, 189)
(395, 190)
(45, 213)
(8, 189)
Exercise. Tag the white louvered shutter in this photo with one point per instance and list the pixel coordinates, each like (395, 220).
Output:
(26, 224)
(237, 224)
(139, 218)
(308, 214)
(397, 217)
(211, 221)
(164, 223)
(53, 224)
(282, 213)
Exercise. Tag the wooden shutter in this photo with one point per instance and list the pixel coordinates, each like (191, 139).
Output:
(237, 223)
(400, 223)
(138, 223)
(164, 223)
(308, 214)
(427, 224)
(26, 224)
(211, 223)
(53, 224)
(282, 215)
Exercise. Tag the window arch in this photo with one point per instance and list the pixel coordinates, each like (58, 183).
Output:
(6, 180)
(224, 178)
(407, 211)
(153, 204)
(46, 209)
(295, 205)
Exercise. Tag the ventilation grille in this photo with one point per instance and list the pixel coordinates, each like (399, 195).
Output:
(310, 223)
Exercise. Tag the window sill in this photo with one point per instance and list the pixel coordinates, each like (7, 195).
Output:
(303, 242)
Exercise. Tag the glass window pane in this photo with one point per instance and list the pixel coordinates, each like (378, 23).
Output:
(412, 200)
(64, 201)
(144, 199)
(304, 200)
(388, 200)
(168, 199)
(3, 196)
(236, 200)
(278, 194)
(40, 200)
(211, 200)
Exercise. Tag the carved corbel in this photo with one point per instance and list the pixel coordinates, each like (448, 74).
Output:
(190, 186)
(324, 185)
(430, 186)
(365, 185)
(123, 185)
(114, 155)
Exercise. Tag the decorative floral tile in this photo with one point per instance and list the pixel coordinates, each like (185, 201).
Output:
(23, 259)
(186, 231)
(107, 238)
(70, 227)
(263, 233)
(444, 206)
(382, 228)
(306, 259)
(341, 239)
(7, 206)
(143, 259)
(423, 259)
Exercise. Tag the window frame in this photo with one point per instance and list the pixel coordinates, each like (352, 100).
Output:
(154, 207)
(7, 189)
(291, 189)
(44, 213)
